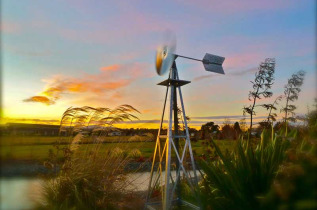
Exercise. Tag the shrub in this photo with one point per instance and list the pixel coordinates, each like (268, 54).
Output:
(135, 153)
(89, 178)
(117, 152)
(135, 138)
(295, 183)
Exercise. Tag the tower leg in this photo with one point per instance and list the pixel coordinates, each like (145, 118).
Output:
(188, 140)
(176, 133)
(167, 196)
(158, 151)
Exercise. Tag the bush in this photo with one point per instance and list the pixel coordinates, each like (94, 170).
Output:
(295, 183)
(90, 181)
(135, 153)
(135, 138)
(89, 178)
(117, 152)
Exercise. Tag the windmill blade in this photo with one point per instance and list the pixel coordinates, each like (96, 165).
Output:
(165, 54)
(213, 63)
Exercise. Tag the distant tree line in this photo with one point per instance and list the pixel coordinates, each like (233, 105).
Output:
(227, 131)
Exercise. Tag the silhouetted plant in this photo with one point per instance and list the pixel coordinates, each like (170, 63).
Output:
(291, 92)
(261, 86)
(271, 117)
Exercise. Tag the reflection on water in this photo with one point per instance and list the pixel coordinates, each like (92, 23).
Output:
(19, 193)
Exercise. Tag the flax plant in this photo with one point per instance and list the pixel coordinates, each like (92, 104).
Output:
(240, 180)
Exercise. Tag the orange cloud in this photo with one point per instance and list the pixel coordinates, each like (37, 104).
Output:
(40, 99)
(110, 78)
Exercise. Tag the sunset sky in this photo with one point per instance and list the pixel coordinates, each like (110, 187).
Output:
(101, 54)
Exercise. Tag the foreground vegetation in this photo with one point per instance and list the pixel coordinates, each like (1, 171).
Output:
(95, 176)
(90, 179)
(278, 172)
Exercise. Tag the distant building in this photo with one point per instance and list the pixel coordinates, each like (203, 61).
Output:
(115, 133)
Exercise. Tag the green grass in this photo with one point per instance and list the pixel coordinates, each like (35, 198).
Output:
(27, 140)
(49, 140)
(37, 148)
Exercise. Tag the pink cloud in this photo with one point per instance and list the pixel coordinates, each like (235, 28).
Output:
(110, 68)
(10, 27)
(242, 59)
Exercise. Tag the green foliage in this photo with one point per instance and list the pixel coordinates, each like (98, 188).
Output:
(295, 183)
(312, 122)
(240, 180)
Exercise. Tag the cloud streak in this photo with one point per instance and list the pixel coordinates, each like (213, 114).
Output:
(29, 120)
(232, 7)
(227, 117)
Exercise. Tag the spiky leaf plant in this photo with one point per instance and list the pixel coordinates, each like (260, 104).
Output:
(240, 180)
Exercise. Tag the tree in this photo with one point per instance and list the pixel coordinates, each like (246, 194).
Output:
(291, 92)
(261, 86)
(237, 128)
(208, 128)
(227, 130)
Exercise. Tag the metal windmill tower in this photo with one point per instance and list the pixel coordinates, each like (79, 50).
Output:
(173, 158)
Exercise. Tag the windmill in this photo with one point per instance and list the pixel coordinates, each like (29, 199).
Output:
(173, 157)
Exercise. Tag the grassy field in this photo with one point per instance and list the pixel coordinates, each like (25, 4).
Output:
(49, 140)
(37, 148)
